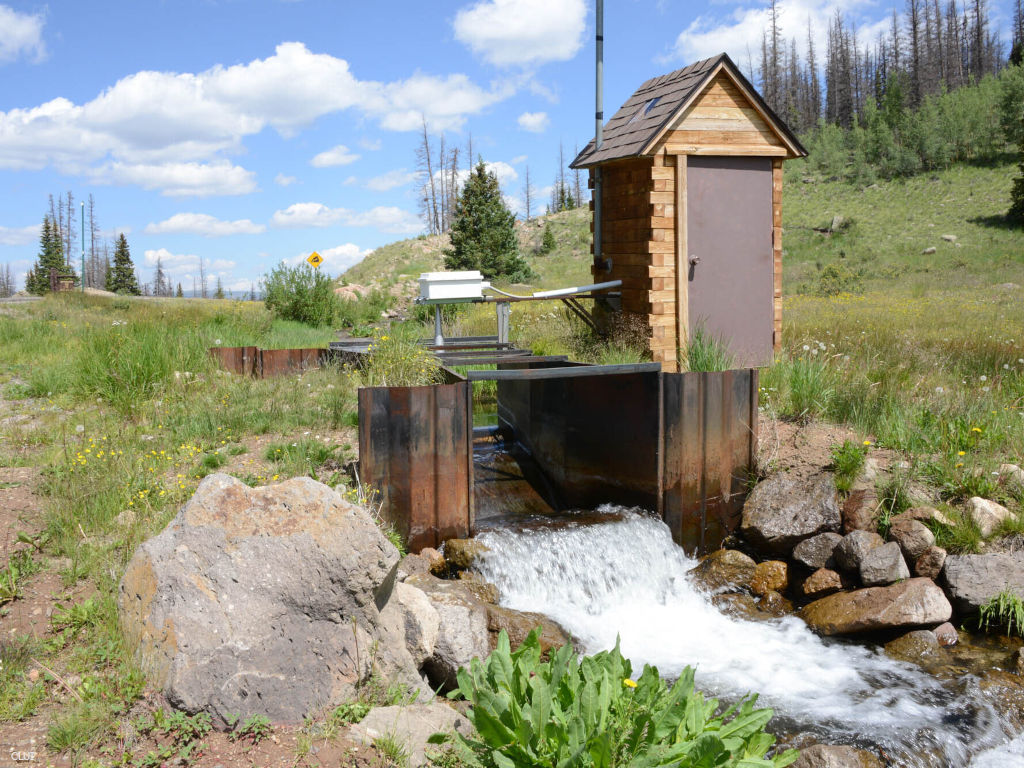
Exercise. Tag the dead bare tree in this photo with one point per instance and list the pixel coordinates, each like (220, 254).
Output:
(425, 167)
(527, 193)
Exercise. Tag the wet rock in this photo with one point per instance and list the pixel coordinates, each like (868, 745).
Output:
(930, 563)
(849, 553)
(257, 601)
(987, 514)
(836, 756)
(518, 624)
(883, 565)
(774, 604)
(411, 726)
(785, 509)
(860, 508)
(770, 576)
(971, 580)
(913, 537)
(816, 552)
(947, 635)
(822, 582)
(438, 565)
(483, 590)
(460, 553)
(724, 570)
(1016, 663)
(919, 647)
(738, 605)
(912, 603)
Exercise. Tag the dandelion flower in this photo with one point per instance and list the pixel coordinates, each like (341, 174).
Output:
(629, 683)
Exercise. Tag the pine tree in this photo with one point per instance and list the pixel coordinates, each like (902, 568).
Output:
(121, 278)
(483, 234)
(219, 293)
(179, 294)
(547, 243)
(51, 257)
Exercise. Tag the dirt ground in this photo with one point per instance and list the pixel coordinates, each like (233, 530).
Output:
(806, 449)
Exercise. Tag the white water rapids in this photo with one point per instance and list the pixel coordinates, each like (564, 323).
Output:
(627, 578)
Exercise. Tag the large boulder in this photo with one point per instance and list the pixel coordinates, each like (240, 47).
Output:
(850, 552)
(910, 604)
(420, 621)
(265, 601)
(913, 536)
(919, 646)
(410, 726)
(836, 756)
(972, 580)
(785, 509)
(883, 565)
(723, 570)
(816, 552)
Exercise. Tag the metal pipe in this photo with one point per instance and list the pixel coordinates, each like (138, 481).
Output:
(598, 128)
(438, 337)
(579, 289)
(83, 246)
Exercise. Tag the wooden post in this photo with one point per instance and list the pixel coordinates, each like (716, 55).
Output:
(682, 263)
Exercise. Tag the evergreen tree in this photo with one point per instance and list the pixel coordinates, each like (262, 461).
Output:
(547, 243)
(179, 294)
(1016, 212)
(51, 256)
(483, 234)
(219, 293)
(121, 278)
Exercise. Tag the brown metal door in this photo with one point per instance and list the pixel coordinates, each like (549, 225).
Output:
(729, 234)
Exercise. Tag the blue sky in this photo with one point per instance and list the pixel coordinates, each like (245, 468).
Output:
(248, 132)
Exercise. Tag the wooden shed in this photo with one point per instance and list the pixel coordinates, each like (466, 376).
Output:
(691, 211)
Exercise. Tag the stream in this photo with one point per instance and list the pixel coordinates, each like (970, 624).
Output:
(619, 574)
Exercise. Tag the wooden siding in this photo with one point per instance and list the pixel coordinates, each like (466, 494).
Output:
(777, 252)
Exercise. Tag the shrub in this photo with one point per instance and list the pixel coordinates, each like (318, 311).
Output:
(301, 293)
(847, 460)
(589, 712)
(837, 278)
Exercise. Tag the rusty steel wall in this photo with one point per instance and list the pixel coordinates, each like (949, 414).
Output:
(595, 438)
(252, 361)
(416, 450)
(709, 450)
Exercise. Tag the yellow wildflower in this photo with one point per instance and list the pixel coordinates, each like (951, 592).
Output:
(629, 683)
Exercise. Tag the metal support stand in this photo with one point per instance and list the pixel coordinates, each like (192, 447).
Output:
(438, 338)
(503, 310)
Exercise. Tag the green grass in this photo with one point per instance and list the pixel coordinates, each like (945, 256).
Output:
(847, 462)
(1004, 610)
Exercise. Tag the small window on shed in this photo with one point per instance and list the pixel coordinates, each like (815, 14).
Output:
(647, 107)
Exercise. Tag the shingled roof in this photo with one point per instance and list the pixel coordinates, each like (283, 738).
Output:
(655, 103)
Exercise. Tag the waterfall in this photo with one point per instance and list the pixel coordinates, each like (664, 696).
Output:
(626, 578)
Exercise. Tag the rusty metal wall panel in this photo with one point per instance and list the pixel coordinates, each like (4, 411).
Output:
(729, 228)
(710, 446)
(415, 449)
(252, 361)
(595, 438)
(240, 360)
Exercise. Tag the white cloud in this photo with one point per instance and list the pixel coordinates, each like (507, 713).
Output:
(338, 155)
(164, 122)
(505, 173)
(351, 181)
(203, 224)
(386, 218)
(371, 145)
(180, 179)
(184, 267)
(336, 259)
(21, 34)
(534, 122)
(519, 159)
(739, 32)
(18, 235)
(301, 215)
(522, 32)
(284, 181)
(391, 180)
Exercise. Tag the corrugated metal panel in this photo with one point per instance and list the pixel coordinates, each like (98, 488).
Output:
(252, 361)
(415, 449)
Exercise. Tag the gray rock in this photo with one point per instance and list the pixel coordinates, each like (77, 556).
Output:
(837, 223)
(910, 604)
(1012, 472)
(871, 470)
(930, 563)
(420, 621)
(923, 514)
(971, 580)
(411, 726)
(861, 508)
(883, 565)
(928, 251)
(785, 509)
(949, 238)
(264, 601)
(723, 570)
(849, 553)
(816, 552)
(836, 756)
(913, 537)
(987, 514)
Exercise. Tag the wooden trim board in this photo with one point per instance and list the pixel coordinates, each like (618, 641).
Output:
(682, 268)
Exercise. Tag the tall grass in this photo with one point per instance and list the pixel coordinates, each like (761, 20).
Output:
(704, 352)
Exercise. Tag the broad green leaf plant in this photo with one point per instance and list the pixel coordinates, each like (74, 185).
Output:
(589, 712)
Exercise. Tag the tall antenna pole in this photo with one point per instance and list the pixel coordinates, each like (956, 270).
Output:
(598, 128)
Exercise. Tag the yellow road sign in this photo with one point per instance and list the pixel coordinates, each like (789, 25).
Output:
(315, 259)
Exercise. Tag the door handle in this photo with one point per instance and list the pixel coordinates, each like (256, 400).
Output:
(694, 260)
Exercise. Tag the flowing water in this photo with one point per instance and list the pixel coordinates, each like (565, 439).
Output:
(626, 578)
